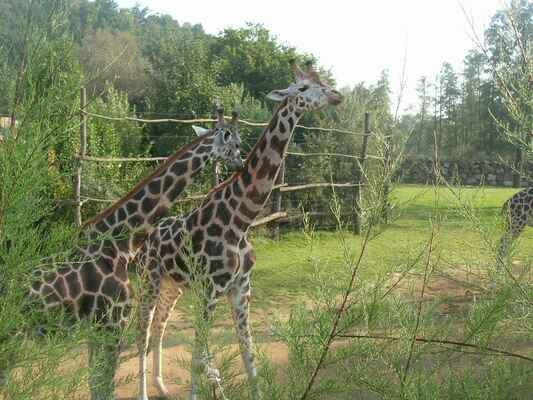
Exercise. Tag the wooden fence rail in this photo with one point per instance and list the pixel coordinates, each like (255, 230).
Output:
(136, 159)
(284, 188)
(210, 120)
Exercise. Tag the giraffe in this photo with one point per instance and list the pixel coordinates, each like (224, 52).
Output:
(217, 230)
(94, 283)
(518, 212)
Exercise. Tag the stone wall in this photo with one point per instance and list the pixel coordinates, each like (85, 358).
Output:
(465, 172)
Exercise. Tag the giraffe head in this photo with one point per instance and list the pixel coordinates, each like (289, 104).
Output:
(308, 92)
(227, 140)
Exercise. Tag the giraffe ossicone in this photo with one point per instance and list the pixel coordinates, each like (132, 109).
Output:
(93, 284)
(218, 237)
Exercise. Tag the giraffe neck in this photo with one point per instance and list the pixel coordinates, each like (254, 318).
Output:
(248, 190)
(120, 230)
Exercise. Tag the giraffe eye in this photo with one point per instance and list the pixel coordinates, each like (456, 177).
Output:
(303, 88)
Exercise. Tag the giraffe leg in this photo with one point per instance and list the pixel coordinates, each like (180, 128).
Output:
(514, 225)
(168, 296)
(104, 353)
(146, 314)
(200, 353)
(239, 297)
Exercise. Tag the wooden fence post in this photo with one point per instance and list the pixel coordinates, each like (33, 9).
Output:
(358, 178)
(276, 200)
(81, 155)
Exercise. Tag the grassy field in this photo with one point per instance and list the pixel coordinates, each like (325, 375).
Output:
(284, 267)
(467, 226)
(284, 272)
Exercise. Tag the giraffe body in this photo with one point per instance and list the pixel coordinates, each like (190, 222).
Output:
(518, 213)
(93, 284)
(213, 236)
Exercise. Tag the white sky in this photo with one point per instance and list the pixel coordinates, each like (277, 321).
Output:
(356, 39)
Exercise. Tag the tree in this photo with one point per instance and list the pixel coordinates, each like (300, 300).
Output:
(509, 39)
(448, 104)
(424, 130)
(254, 57)
(114, 57)
(474, 64)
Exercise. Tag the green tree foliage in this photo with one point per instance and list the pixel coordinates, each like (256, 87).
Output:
(509, 40)
(253, 56)
(114, 57)
(473, 112)
(119, 138)
(44, 99)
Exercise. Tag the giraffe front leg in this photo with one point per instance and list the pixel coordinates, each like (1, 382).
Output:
(104, 352)
(146, 313)
(200, 353)
(168, 296)
(240, 300)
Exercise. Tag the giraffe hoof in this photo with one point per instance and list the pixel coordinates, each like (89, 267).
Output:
(213, 374)
(161, 388)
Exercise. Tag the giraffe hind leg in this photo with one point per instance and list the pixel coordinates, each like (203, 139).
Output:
(239, 297)
(168, 296)
(146, 314)
(515, 224)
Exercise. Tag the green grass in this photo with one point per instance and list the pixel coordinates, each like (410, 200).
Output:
(467, 231)
(284, 268)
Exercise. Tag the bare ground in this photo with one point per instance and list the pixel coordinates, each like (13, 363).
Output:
(459, 288)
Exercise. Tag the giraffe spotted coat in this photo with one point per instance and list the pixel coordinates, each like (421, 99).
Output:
(213, 237)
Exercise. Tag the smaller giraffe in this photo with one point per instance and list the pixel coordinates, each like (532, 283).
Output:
(94, 283)
(518, 212)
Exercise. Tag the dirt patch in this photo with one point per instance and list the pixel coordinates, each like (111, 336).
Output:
(456, 289)
(172, 373)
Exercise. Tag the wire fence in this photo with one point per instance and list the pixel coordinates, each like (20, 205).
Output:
(305, 183)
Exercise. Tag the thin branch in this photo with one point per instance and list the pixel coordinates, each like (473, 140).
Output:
(119, 159)
(403, 84)
(419, 308)
(317, 185)
(332, 155)
(333, 332)
(442, 342)
(523, 50)
(272, 217)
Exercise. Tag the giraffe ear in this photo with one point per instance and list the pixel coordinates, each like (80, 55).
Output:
(278, 95)
(199, 130)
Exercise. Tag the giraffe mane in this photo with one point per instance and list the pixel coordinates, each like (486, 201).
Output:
(236, 174)
(108, 211)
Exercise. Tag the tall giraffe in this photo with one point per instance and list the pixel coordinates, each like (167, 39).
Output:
(518, 212)
(94, 283)
(217, 231)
